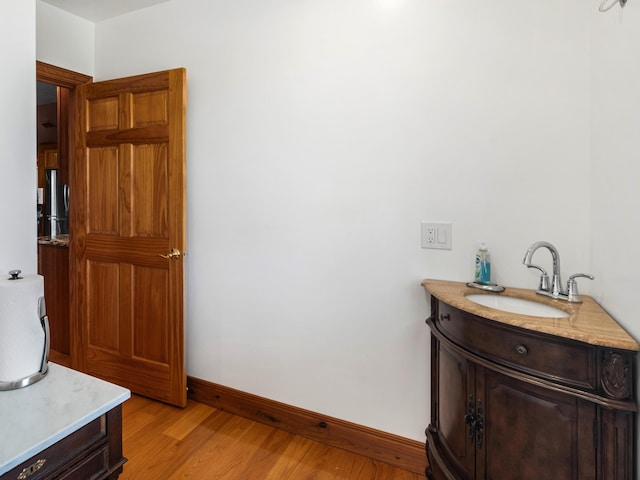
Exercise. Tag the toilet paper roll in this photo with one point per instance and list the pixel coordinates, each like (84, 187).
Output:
(21, 334)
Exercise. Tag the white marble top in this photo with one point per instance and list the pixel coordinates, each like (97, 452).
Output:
(35, 417)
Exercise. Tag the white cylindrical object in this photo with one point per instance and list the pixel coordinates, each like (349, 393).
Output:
(22, 338)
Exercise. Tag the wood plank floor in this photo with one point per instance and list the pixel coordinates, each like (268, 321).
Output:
(163, 442)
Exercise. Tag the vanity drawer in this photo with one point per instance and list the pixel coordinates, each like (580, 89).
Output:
(61, 460)
(92, 467)
(541, 355)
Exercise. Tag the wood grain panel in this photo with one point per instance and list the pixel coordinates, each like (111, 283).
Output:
(103, 284)
(150, 340)
(615, 436)
(53, 264)
(135, 176)
(102, 189)
(457, 391)
(138, 250)
(102, 114)
(151, 186)
(532, 456)
(135, 84)
(150, 379)
(125, 183)
(150, 108)
(142, 135)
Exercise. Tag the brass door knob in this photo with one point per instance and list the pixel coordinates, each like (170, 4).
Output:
(173, 254)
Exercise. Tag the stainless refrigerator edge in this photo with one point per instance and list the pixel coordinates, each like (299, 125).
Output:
(56, 205)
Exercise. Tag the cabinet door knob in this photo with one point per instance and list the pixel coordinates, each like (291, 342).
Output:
(445, 316)
(521, 349)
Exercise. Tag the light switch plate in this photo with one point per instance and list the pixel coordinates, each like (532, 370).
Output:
(436, 235)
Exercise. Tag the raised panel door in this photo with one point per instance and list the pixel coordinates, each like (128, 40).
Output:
(455, 396)
(531, 433)
(129, 215)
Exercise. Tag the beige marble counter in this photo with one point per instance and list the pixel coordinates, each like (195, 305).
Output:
(587, 321)
(59, 240)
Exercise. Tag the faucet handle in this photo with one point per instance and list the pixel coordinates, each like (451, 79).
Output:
(544, 278)
(572, 287)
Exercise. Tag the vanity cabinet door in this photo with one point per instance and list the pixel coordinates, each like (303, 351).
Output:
(530, 432)
(453, 387)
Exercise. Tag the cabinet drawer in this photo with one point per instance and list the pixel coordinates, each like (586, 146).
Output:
(48, 463)
(541, 355)
(93, 467)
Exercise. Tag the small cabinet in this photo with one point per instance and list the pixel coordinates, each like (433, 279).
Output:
(510, 403)
(93, 452)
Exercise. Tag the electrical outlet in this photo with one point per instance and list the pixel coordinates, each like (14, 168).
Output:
(431, 235)
(436, 235)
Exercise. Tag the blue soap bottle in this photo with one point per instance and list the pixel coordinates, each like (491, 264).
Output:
(483, 266)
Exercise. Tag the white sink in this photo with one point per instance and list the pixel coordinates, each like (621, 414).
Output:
(517, 305)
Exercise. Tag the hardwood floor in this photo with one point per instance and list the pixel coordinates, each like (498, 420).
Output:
(163, 442)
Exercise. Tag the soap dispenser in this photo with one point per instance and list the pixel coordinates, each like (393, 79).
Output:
(483, 265)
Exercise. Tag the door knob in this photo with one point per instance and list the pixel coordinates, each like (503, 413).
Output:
(173, 254)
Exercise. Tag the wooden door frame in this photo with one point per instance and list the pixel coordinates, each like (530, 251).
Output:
(66, 115)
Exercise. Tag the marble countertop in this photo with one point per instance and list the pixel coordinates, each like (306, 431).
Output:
(59, 240)
(35, 417)
(587, 321)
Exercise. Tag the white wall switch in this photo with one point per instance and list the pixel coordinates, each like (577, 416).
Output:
(436, 235)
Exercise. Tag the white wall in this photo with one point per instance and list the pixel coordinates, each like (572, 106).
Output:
(320, 134)
(18, 180)
(64, 40)
(615, 152)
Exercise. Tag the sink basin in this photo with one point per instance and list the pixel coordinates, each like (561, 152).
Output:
(517, 305)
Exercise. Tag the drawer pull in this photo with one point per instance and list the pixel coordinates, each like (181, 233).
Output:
(444, 316)
(521, 349)
(31, 469)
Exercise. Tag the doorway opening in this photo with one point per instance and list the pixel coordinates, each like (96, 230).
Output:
(55, 89)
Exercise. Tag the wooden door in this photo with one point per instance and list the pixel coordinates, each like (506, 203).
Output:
(454, 400)
(530, 432)
(128, 216)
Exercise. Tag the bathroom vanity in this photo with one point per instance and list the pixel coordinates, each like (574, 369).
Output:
(528, 397)
(66, 426)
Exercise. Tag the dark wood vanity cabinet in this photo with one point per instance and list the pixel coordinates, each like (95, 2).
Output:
(93, 452)
(508, 403)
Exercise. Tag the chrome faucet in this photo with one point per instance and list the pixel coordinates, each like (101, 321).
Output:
(555, 291)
